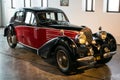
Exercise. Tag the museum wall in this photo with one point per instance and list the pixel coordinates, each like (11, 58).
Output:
(7, 11)
(0, 12)
(77, 15)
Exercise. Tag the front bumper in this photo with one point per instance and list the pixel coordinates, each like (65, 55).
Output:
(86, 59)
(107, 55)
(93, 59)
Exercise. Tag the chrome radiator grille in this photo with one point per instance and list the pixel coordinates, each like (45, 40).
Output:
(88, 34)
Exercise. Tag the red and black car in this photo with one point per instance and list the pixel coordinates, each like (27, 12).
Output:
(48, 31)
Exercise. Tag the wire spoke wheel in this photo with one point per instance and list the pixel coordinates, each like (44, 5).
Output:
(11, 39)
(62, 60)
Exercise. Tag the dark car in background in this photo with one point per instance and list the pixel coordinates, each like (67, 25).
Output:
(49, 32)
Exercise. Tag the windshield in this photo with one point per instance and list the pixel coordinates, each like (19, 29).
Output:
(52, 18)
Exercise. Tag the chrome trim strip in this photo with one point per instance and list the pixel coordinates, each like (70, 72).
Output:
(29, 47)
(113, 52)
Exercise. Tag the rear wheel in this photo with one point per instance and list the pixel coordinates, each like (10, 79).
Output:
(11, 39)
(63, 60)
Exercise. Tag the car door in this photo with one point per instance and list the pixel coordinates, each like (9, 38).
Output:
(18, 20)
(34, 36)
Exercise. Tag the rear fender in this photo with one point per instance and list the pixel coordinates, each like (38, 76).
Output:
(9, 27)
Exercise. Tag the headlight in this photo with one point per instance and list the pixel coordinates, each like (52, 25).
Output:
(81, 38)
(103, 35)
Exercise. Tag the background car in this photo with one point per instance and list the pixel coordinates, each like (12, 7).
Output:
(49, 32)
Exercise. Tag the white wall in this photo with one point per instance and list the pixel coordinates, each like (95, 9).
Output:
(76, 14)
(7, 11)
(0, 12)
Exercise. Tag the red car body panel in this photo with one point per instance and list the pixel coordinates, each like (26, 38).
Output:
(35, 37)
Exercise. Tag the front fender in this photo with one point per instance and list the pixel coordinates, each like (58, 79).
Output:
(49, 47)
(69, 44)
(110, 40)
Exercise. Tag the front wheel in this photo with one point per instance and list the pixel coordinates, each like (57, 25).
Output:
(11, 39)
(63, 60)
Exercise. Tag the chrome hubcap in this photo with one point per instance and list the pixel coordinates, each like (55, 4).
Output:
(62, 60)
(9, 39)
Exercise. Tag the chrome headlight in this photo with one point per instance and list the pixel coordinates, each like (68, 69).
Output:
(103, 35)
(81, 38)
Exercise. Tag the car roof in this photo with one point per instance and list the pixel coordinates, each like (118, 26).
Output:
(41, 9)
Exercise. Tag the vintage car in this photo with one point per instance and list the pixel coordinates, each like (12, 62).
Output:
(48, 31)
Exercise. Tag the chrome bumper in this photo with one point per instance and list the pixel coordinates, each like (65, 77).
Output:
(106, 55)
(85, 59)
(92, 58)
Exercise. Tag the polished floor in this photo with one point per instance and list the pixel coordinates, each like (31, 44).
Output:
(23, 64)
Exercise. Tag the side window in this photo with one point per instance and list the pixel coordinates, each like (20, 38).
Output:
(50, 16)
(61, 17)
(30, 18)
(19, 17)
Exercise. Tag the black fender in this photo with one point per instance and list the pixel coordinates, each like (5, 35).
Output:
(97, 38)
(110, 40)
(49, 47)
(9, 27)
(46, 48)
(69, 44)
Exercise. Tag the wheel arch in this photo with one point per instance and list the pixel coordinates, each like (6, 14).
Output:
(109, 40)
(68, 43)
(49, 47)
(7, 28)
(112, 38)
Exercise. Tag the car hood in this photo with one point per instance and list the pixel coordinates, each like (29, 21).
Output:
(68, 27)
